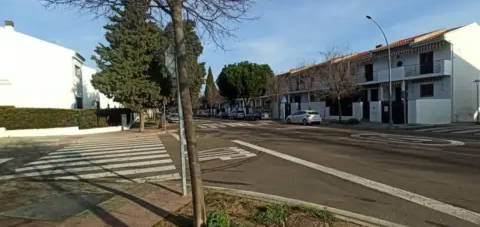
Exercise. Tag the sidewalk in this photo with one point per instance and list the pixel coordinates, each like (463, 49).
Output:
(128, 205)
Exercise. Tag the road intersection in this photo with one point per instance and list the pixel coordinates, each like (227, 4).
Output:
(399, 176)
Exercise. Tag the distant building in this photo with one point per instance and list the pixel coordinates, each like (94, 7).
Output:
(432, 76)
(39, 74)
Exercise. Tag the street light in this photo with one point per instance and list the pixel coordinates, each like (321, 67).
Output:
(477, 82)
(389, 73)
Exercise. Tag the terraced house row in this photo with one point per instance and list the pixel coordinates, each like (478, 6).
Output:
(432, 82)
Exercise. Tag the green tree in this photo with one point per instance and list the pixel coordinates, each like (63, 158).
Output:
(195, 70)
(211, 92)
(125, 63)
(215, 18)
(244, 80)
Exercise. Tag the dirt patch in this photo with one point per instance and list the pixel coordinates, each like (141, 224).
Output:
(248, 212)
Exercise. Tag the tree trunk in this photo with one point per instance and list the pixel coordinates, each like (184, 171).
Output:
(339, 109)
(142, 121)
(163, 121)
(191, 139)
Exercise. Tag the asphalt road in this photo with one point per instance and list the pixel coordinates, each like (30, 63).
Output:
(444, 170)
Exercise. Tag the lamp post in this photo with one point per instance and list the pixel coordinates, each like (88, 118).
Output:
(390, 122)
(477, 82)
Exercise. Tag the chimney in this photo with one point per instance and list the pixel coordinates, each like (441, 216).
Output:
(378, 46)
(9, 25)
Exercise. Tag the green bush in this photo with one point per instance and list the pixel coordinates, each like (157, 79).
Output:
(31, 118)
(272, 214)
(218, 219)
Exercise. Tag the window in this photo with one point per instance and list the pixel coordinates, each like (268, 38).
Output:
(374, 95)
(426, 90)
(369, 72)
(426, 63)
(78, 72)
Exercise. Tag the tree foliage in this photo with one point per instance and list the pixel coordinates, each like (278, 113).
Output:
(195, 70)
(244, 80)
(211, 91)
(128, 64)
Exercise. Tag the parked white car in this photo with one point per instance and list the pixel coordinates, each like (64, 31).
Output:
(306, 117)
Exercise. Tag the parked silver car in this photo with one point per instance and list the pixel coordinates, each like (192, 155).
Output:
(306, 117)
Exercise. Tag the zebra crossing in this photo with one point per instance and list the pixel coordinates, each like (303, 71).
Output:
(216, 125)
(121, 158)
(453, 129)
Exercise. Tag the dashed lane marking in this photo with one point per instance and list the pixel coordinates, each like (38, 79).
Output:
(458, 212)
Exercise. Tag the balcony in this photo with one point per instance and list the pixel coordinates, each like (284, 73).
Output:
(398, 73)
(440, 67)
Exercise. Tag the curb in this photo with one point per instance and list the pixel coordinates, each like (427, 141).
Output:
(340, 214)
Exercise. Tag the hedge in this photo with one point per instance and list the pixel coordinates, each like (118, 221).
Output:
(29, 118)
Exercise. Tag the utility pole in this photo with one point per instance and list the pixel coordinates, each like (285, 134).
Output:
(477, 82)
(390, 120)
(171, 63)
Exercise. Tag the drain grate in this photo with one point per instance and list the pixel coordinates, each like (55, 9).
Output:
(58, 208)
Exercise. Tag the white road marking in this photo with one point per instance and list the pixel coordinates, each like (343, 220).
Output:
(96, 154)
(400, 193)
(2, 160)
(90, 162)
(174, 134)
(117, 173)
(82, 146)
(59, 153)
(224, 153)
(107, 142)
(173, 176)
(86, 169)
(96, 157)
(106, 148)
(467, 131)
(448, 129)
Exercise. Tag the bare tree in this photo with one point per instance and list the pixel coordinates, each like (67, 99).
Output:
(277, 87)
(338, 76)
(213, 17)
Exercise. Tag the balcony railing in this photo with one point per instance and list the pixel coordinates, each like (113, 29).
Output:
(440, 67)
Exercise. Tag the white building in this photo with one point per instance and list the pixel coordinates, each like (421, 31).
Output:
(436, 70)
(39, 74)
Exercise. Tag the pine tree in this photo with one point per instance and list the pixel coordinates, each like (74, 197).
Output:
(126, 64)
(211, 92)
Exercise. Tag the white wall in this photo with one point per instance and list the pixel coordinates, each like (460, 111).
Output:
(466, 65)
(357, 110)
(430, 111)
(40, 74)
(376, 111)
(91, 95)
(320, 107)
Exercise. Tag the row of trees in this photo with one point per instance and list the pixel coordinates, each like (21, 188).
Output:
(336, 78)
(214, 18)
(132, 65)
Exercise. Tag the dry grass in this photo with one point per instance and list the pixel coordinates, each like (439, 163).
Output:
(244, 212)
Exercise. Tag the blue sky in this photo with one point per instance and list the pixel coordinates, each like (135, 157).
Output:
(287, 34)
